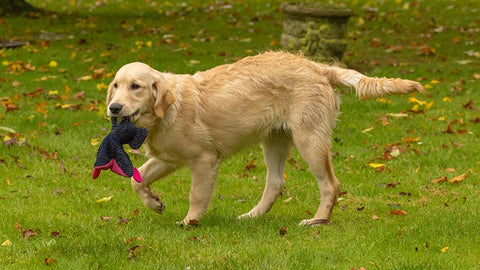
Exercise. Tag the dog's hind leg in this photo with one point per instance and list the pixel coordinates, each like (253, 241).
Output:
(151, 171)
(315, 150)
(275, 151)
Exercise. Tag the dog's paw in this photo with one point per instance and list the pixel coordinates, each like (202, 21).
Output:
(191, 222)
(244, 216)
(252, 214)
(314, 222)
(157, 205)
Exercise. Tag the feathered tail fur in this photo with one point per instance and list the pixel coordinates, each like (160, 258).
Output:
(371, 86)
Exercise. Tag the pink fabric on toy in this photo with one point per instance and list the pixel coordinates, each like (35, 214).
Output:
(113, 166)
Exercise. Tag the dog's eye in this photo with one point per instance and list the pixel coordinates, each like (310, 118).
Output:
(115, 85)
(134, 86)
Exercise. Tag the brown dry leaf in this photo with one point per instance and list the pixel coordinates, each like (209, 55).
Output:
(439, 180)
(132, 252)
(193, 222)
(136, 212)
(80, 95)
(250, 164)
(49, 261)
(411, 139)
(283, 231)
(123, 220)
(398, 212)
(459, 178)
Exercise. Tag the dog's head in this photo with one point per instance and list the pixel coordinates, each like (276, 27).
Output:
(138, 91)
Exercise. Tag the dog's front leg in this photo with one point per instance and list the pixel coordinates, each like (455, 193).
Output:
(204, 173)
(151, 171)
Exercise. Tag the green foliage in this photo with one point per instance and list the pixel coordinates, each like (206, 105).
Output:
(387, 151)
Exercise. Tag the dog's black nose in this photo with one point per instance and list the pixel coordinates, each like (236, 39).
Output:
(115, 108)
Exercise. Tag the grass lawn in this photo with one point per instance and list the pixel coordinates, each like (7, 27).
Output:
(389, 152)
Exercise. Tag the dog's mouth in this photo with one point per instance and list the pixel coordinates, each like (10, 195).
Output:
(137, 112)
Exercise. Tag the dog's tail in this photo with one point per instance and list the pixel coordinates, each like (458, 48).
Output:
(371, 86)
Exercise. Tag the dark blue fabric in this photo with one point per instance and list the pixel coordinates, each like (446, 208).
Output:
(124, 132)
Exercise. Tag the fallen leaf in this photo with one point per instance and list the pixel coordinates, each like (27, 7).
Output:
(49, 261)
(439, 180)
(94, 142)
(7, 243)
(367, 130)
(411, 139)
(288, 200)
(193, 222)
(398, 212)
(445, 249)
(123, 220)
(283, 231)
(458, 178)
(104, 199)
(376, 165)
(132, 252)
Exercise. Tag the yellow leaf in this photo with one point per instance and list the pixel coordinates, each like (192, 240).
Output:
(94, 142)
(414, 100)
(102, 86)
(101, 109)
(85, 78)
(367, 130)
(458, 178)
(361, 21)
(441, 118)
(429, 105)
(445, 249)
(415, 108)
(447, 99)
(104, 199)
(434, 81)
(52, 92)
(375, 165)
(52, 64)
(383, 100)
(7, 243)
(427, 86)
(286, 176)
(5, 63)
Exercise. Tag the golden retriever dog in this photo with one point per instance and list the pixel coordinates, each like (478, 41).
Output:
(275, 98)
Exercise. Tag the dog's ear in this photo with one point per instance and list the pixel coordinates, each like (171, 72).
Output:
(109, 93)
(164, 98)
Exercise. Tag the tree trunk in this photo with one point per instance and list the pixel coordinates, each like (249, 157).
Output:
(15, 7)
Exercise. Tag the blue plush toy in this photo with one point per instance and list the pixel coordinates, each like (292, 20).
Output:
(111, 155)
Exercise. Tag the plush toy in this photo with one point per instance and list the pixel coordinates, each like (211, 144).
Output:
(111, 155)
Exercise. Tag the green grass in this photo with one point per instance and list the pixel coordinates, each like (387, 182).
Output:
(45, 175)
